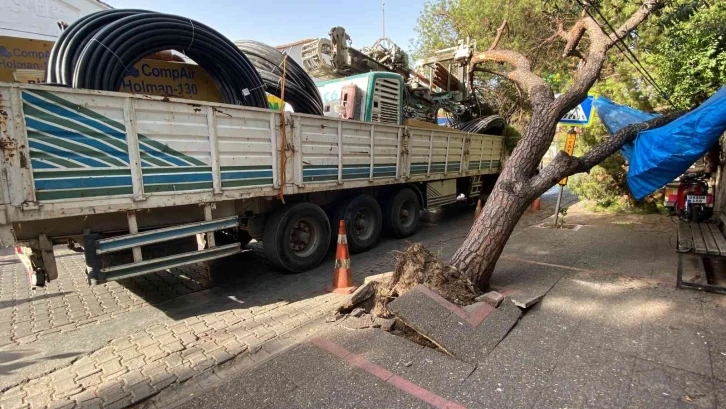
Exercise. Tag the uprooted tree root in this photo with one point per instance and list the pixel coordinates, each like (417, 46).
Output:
(415, 266)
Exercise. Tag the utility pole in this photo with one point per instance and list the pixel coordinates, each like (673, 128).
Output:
(383, 16)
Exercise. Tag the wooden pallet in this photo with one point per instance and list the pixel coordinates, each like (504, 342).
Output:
(703, 240)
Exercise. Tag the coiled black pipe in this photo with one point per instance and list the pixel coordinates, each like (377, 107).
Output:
(490, 125)
(65, 52)
(97, 51)
(300, 90)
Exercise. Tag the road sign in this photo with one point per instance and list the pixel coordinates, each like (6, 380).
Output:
(569, 149)
(582, 114)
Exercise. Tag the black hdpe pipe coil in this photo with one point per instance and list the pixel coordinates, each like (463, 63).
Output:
(70, 44)
(97, 52)
(490, 125)
(300, 90)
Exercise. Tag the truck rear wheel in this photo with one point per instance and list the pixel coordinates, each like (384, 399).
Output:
(296, 237)
(363, 222)
(401, 213)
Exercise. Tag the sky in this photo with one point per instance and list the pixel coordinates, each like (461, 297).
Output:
(280, 22)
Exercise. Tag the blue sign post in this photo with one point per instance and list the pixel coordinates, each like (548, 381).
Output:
(582, 114)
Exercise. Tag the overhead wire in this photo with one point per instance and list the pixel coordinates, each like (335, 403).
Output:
(637, 61)
(627, 52)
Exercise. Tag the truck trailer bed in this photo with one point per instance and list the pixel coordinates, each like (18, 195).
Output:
(83, 160)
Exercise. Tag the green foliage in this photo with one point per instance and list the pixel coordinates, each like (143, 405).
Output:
(605, 184)
(682, 46)
(443, 23)
(511, 138)
(684, 49)
(689, 54)
(605, 187)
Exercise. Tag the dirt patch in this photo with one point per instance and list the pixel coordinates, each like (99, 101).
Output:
(403, 330)
(415, 266)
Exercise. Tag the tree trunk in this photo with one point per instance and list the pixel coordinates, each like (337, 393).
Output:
(477, 256)
(520, 183)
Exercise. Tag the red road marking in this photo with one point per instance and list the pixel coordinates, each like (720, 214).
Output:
(474, 318)
(423, 394)
(385, 375)
(331, 347)
(479, 315)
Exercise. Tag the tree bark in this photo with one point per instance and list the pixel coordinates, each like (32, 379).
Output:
(520, 183)
(477, 256)
(511, 196)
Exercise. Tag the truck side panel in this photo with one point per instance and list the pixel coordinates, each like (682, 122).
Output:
(75, 152)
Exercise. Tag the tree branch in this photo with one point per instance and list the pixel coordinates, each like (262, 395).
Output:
(600, 43)
(573, 37)
(522, 74)
(564, 165)
(646, 9)
(500, 31)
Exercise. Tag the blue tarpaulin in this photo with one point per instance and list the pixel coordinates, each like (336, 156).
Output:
(659, 155)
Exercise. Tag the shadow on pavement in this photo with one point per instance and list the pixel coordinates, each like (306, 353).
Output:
(19, 302)
(11, 361)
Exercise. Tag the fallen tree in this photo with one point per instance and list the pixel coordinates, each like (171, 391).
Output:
(520, 183)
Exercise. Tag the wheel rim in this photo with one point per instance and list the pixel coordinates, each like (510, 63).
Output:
(363, 224)
(304, 237)
(407, 213)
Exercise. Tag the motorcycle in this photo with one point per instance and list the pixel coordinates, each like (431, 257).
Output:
(694, 201)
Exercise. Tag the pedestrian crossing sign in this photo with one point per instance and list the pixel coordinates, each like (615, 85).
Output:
(581, 115)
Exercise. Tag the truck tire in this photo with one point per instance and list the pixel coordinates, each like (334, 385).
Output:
(296, 237)
(363, 222)
(401, 212)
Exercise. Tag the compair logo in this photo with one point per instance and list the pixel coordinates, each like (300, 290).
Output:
(133, 71)
(18, 58)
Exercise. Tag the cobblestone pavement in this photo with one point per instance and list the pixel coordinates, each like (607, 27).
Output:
(597, 339)
(69, 303)
(72, 345)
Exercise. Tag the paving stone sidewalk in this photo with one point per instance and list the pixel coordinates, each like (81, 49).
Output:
(70, 345)
(612, 332)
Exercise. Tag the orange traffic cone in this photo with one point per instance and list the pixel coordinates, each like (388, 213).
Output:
(477, 211)
(536, 205)
(342, 277)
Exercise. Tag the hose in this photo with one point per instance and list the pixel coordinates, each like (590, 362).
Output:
(97, 52)
(300, 90)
